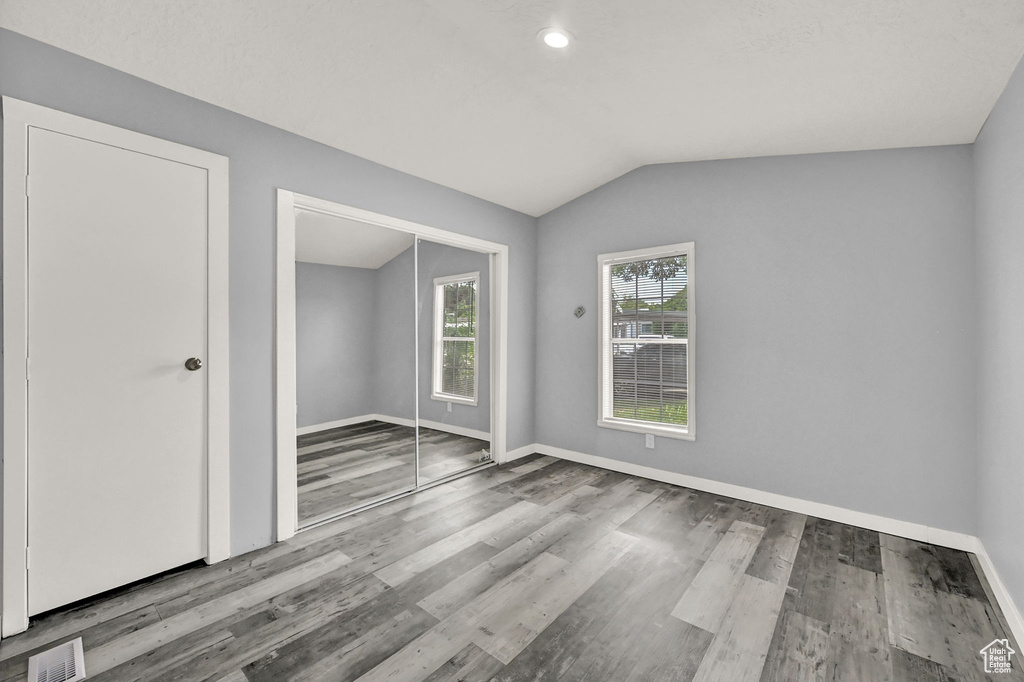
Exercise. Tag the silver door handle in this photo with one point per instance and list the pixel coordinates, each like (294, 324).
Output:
(192, 364)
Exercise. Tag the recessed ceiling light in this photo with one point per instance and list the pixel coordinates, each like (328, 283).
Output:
(557, 38)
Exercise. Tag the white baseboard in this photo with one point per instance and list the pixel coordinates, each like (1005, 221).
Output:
(401, 421)
(519, 453)
(913, 531)
(457, 430)
(1002, 595)
(313, 428)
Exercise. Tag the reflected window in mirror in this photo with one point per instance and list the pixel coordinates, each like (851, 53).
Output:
(455, 338)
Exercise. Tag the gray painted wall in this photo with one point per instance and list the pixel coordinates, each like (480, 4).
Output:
(395, 336)
(394, 365)
(999, 163)
(440, 260)
(264, 158)
(834, 339)
(334, 316)
(338, 308)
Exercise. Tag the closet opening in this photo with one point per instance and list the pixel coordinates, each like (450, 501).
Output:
(390, 359)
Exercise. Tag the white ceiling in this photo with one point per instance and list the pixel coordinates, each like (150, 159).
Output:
(462, 93)
(331, 240)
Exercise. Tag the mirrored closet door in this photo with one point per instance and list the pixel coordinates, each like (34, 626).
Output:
(454, 359)
(393, 371)
(355, 364)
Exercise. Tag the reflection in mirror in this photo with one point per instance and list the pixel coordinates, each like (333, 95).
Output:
(355, 364)
(454, 359)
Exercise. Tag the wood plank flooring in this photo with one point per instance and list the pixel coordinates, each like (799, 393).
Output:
(349, 466)
(548, 570)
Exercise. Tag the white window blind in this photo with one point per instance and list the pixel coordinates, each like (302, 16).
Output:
(646, 340)
(455, 338)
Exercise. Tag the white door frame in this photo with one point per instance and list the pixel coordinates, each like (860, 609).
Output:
(287, 202)
(18, 118)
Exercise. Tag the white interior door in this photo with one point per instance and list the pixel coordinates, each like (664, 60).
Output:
(117, 302)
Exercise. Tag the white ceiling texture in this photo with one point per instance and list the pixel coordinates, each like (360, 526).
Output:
(462, 92)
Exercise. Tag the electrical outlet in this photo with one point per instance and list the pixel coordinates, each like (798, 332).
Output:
(649, 441)
(449, 407)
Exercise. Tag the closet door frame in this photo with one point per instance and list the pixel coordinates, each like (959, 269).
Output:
(284, 334)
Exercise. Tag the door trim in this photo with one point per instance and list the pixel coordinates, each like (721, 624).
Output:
(284, 334)
(18, 117)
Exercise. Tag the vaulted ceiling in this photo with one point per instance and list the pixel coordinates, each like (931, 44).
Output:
(462, 92)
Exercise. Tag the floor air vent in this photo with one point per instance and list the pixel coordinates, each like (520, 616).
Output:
(64, 663)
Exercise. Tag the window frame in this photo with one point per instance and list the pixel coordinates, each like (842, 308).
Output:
(605, 417)
(438, 338)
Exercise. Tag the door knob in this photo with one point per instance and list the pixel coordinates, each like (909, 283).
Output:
(192, 364)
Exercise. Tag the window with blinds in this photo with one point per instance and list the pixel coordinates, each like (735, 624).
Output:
(646, 340)
(455, 338)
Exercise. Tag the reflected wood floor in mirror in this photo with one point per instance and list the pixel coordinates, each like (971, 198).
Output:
(349, 466)
(549, 570)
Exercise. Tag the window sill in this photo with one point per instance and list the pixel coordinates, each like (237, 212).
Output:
(458, 399)
(654, 429)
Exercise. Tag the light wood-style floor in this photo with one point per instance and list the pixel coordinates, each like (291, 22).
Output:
(349, 466)
(549, 570)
